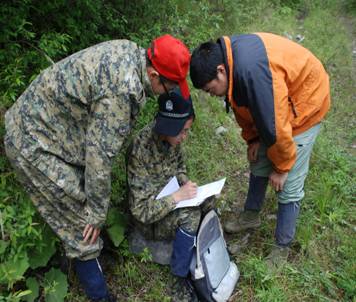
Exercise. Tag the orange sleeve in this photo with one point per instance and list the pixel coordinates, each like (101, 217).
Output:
(245, 121)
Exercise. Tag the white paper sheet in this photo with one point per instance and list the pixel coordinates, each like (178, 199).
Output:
(171, 187)
(204, 192)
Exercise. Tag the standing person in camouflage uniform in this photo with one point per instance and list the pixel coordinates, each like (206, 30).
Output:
(155, 157)
(64, 130)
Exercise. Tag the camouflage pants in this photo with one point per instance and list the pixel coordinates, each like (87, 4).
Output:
(64, 214)
(186, 218)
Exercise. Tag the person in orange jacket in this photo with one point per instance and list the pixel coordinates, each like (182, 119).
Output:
(279, 93)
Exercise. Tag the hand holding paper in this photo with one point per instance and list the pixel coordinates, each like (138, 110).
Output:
(187, 191)
(203, 192)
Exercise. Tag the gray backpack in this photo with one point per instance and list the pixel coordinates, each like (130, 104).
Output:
(213, 274)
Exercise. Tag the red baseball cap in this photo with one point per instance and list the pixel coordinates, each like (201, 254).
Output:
(171, 58)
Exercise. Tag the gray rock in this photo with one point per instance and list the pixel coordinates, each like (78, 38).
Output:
(299, 38)
(161, 251)
(271, 217)
(236, 246)
(220, 130)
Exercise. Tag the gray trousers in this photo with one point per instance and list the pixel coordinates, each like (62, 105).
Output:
(293, 191)
(287, 212)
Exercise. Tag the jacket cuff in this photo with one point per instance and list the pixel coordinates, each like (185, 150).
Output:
(170, 202)
(94, 219)
(253, 140)
(279, 170)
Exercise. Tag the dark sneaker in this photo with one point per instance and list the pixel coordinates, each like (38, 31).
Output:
(277, 257)
(183, 290)
(246, 220)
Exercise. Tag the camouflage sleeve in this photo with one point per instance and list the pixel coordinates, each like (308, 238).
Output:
(108, 126)
(143, 191)
(182, 170)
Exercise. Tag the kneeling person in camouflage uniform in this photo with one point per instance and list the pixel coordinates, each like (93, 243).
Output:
(155, 157)
(64, 130)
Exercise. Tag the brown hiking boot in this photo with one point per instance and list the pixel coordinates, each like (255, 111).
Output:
(277, 257)
(246, 220)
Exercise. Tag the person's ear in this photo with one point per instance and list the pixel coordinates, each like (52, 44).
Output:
(152, 73)
(221, 69)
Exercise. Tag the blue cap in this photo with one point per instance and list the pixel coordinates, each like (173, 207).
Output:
(173, 113)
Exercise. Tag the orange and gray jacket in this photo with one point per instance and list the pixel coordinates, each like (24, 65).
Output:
(277, 89)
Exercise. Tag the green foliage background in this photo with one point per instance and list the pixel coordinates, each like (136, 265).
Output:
(34, 34)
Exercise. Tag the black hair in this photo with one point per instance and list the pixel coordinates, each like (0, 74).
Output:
(148, 60)
(204, 62)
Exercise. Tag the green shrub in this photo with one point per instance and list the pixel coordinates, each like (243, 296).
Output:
(34, 34)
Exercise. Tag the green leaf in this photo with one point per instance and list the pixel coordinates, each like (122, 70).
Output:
(13, 270)
(115, 217)
(33, 286)
(56, 286)
(17, 296)
(116, 233)
(3, 246)
(44, 250)
(21, 294)
(116, 222)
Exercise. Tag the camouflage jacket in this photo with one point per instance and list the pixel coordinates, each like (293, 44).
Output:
(80, 110)
(151, 163)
